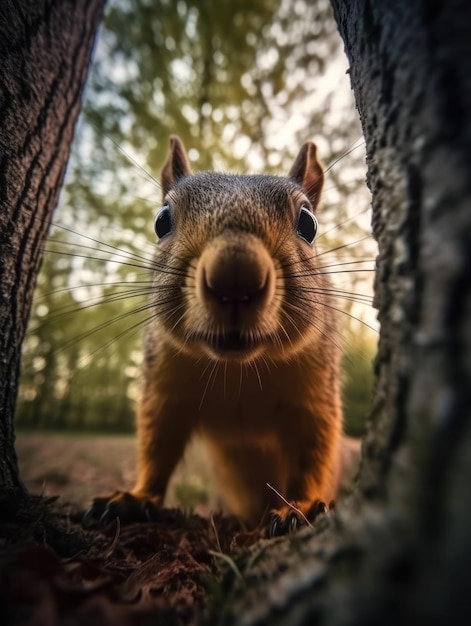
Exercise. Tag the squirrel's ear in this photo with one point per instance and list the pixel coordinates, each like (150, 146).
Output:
(308, 173)
(176, 166)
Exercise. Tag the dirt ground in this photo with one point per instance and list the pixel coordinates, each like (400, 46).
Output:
(174, 570)
(55, 571)
(78, 467)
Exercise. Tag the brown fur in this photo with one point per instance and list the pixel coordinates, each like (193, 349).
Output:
(269, 410)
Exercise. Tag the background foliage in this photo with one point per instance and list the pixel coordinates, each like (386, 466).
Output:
(244, 85)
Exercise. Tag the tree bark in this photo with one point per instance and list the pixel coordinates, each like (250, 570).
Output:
(45, 49)
(398, 551)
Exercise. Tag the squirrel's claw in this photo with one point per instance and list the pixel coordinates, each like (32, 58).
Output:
(88, 520)
(274, 525)
(287, 520)
(94, 515)
(109, 515)
(150, 512)
(281, 525)
(123, 505)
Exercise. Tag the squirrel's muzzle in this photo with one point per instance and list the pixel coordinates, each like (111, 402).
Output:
(235, 280)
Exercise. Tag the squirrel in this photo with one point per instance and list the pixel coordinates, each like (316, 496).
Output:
(241, 349)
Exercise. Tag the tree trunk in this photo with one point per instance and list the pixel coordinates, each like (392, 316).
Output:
(398, 552)
(45, 49)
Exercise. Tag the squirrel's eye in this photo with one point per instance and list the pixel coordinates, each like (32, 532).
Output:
(307, 225)
(163, 222)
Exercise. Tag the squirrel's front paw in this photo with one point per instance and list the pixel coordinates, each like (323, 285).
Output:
(126, 506)
(290, 518)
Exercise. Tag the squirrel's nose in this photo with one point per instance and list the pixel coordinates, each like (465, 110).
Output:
(235, 280)
(235, 272)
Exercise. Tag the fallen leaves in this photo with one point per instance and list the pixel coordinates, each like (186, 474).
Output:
(126, 575)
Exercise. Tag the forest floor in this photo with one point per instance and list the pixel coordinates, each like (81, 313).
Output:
(176, 570)
(55, 571)
(78, 467)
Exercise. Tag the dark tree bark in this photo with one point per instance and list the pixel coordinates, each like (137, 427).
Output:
(399, 551)
(45, 49)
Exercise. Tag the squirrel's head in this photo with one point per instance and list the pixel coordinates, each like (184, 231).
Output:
(235, 259)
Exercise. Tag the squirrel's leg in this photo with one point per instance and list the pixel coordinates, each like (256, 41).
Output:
(163, 432)
(313, 477)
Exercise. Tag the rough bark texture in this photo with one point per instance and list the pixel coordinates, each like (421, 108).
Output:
(45, 49)
(399, 551)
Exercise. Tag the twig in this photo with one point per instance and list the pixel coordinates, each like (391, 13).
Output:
(291, 506)
(213, 526)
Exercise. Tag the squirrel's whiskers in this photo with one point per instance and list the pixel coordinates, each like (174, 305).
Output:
(243, 339)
